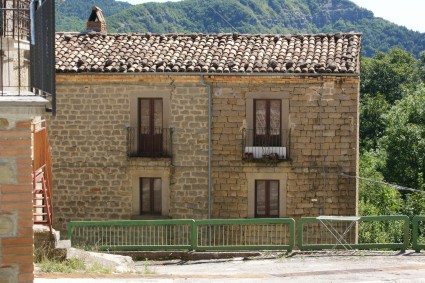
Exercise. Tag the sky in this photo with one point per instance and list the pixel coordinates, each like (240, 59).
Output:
(408, 13)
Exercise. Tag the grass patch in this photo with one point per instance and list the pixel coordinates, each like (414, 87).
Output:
(72, 265)
(147, 269)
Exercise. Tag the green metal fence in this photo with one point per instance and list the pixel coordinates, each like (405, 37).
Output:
(418, 232)
(314, 234)
(368, 232)
(132, 235)
(238, 234)
(245, 234)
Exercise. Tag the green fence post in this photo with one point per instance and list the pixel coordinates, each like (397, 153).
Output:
(291, 234)
(194, 236)
(415, 233)
(300, 233)
(406, 234)
(70, 232)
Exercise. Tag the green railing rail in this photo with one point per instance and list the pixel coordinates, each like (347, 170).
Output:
(196, 235)
(418, 237)
(245, 234)
(314, 235)
(132, 234)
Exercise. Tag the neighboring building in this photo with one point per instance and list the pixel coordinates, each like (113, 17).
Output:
(131, 138)
(20, 108)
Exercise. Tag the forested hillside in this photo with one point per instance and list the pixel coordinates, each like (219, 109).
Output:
(71, 15)
(244, 16)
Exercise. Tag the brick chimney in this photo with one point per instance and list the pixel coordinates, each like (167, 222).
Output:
(96, 21)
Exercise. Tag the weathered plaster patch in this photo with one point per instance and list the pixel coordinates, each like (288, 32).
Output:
(8, 225)
(4, 123)
(7, 172)
(8, 274)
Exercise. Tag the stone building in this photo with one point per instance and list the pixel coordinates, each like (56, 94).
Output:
(200, 126)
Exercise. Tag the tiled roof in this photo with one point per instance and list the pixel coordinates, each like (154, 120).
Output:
(208, 53)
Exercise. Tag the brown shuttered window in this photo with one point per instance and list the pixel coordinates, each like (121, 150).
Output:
(150, 196)
(266, 198)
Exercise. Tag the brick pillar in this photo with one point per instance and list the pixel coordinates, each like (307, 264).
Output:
(16, 231)
(16, 219)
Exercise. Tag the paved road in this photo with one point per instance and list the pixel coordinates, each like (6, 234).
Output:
(311, 267)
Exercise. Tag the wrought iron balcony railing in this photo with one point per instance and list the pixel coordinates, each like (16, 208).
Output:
(14, 47)
(15, 19)
(148, 142)
(266, 145)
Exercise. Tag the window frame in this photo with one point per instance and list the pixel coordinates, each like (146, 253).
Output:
(268, 138)
(281, 177)
(149, 172)
(267, 199)
(150, 141)
(134, 96)
(152, 210)
(284, 97)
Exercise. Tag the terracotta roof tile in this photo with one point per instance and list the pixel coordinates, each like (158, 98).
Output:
(209, 53)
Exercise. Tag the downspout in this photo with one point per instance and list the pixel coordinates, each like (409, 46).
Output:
(208, 86)
(32, 18)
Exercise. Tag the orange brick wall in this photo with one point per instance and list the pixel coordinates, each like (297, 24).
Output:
(16, 224)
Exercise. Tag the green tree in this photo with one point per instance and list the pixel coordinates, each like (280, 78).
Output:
(404, 141)
(372, 120)
(421, 66)
(390, 74)
(375, 198)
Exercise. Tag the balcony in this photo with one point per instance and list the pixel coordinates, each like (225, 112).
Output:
(14, 48)
(15, 19)
(149, 142)
(265, 145)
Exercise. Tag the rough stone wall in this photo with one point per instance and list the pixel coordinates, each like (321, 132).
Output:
(16, 233)
(323, 119)
(189, 178)
(88, 141)
(91, 170)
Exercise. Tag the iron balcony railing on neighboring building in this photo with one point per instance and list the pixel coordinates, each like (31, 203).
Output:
(27, 54)
(149, 142)
(266, 144)
(15, 19)
(14, 47)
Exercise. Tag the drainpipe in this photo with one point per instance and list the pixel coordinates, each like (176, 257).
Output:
(208, 86)
(32, 18)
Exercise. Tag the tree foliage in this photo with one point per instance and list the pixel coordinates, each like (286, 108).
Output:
(392, 130)
(404, 141)
(375, 198)
(372, 120)
(421, 66)
(389, 74)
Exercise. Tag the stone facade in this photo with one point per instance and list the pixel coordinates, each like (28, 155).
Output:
(94, 179)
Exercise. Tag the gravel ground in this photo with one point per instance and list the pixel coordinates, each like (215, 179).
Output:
(331, 266)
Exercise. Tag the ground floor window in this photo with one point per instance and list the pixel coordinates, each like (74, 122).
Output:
(266, 198)
(150, 196)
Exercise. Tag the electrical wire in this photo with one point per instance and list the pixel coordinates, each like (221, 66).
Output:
(397, 187)
(224, 19)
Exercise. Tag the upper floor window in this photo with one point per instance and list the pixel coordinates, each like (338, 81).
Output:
(266, 136)
(267, 122)
(149, 134)
(150, 126)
